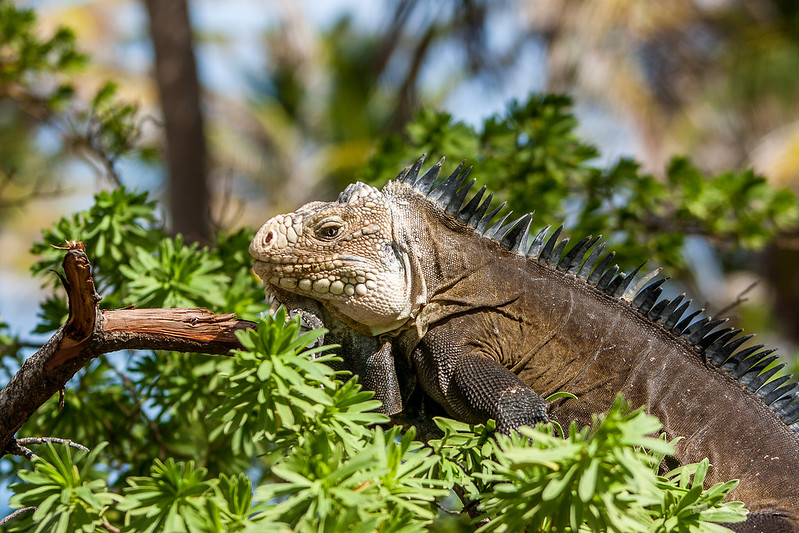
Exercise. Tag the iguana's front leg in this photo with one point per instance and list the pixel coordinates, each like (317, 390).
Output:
(370, 358)
(471, 385)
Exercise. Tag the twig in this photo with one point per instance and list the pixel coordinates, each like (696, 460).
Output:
(109, 527)
(738, 299)
(14, 448)
(16, 514)
(55, 440)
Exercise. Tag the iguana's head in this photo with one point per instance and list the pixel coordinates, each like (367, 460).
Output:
(343, 254)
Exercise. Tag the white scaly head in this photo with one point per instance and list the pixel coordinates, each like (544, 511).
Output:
(342, 254)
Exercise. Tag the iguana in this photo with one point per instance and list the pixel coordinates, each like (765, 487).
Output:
(491, 319)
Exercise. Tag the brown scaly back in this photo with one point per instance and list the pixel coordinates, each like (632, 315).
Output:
(719, 347)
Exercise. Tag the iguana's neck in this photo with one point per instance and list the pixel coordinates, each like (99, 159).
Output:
(443, 251)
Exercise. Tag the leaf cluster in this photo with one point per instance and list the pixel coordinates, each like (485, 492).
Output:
(25, 59)
(531, 157)
(37, 76)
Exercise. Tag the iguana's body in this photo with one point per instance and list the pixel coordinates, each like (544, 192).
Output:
(490, 323)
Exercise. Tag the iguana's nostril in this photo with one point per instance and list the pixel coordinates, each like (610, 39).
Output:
(268, 237)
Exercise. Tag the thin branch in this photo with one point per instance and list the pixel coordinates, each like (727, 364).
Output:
(738, 299)
(27, 441)
(14, 448)
(109, 527)
(16, 514)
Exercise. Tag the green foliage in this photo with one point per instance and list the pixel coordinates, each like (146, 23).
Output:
(602, 478)
(173, 497)
(67, 491)
(291, 392)
(307, 440)
(379, 487)
(25, 57)
(118, 225)
(272, 437)
(175, 276)
(36, 77)
(532, 158)
(685, 506)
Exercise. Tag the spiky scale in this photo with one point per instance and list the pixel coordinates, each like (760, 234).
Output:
(596, 275)
(538, 243)
(756, 368)
(646, 295)
(413, 173)
(402, 177)
(789, 413)
(516, 239)
(786, 395)
(736, 366)
(734, 361)
(505, 231)
(710, 338)
(716, 351)
(482, 225)
(758, 380)
(675, 317)
(744, 361)
(691, 331)
(669, 309)
(481, 211)
(621, 287)
(493, 230)
(684, 323)
(546, 253)
(425, 183)
(658, 308)
(469, 209)
(695, 333)
(615, 283)
(457, 200)
(571, 261)
(774, 389)
(557, 253)
(726, 351)
(633, 291)
(603, 282)
(589, 263)
(445, 190)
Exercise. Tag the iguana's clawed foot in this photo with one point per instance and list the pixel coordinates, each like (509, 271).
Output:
(520, 407)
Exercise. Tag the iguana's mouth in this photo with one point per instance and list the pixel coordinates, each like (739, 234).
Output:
(261, 269)
(353, 259)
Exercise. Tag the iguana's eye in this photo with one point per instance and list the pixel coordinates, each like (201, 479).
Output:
(328, 231)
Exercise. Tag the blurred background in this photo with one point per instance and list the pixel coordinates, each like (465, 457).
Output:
(249, 108)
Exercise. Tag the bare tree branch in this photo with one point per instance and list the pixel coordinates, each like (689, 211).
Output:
(90, 332)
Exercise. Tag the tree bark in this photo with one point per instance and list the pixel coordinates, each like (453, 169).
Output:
(90, 332)
(186, 153)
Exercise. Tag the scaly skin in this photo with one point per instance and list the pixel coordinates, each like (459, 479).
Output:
(407, 285)
(343, 257)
